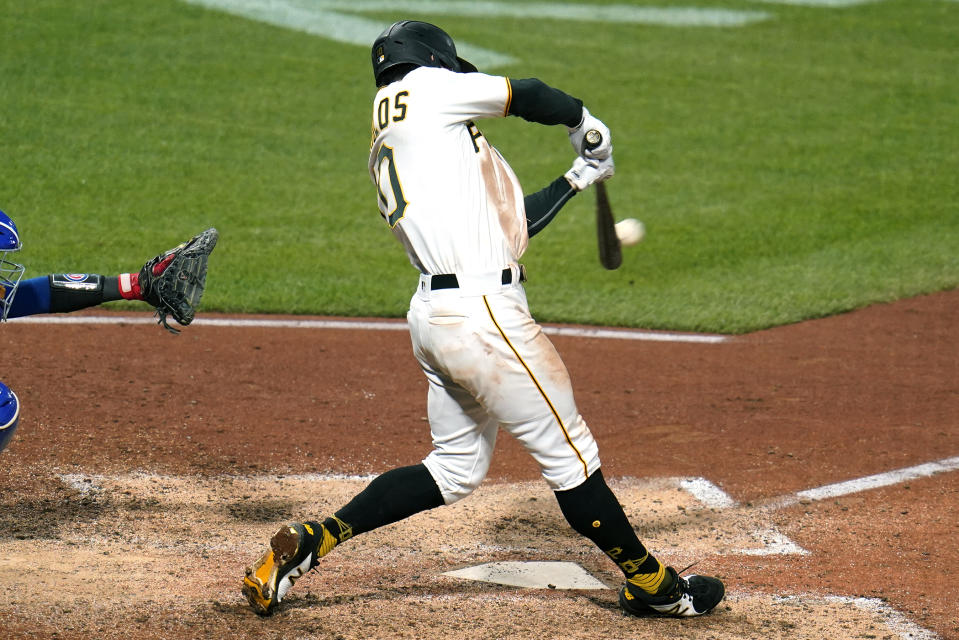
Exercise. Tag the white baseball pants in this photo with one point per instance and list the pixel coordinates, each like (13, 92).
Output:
(489, 365)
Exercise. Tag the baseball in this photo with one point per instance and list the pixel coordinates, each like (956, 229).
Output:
(630, 231)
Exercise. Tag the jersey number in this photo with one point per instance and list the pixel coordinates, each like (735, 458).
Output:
(385, 157)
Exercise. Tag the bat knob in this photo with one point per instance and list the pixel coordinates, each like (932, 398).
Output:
(593, 139)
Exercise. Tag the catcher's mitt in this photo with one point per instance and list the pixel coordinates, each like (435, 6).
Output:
(173, 282)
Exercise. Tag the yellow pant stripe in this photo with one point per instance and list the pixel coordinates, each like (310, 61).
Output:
(559, 420)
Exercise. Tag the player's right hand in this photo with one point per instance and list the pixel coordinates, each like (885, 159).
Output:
(577, 134)
(585, 172)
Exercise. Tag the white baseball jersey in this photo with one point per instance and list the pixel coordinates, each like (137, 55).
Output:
(449, 196)
(457, 207)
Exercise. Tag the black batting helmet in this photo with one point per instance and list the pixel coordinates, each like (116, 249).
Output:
(418, 43)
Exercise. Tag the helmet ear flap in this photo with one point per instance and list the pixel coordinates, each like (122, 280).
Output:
(466, 66)
(9, 414)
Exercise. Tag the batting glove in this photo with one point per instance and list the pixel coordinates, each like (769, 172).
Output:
(577, 134)
(585, 172)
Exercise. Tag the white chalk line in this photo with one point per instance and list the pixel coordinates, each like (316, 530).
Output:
(866, 483)
(712, 496)
(342, 20)
(829, 4)
(894, 621)
(775, 543)
(361, 325)
(772, 541)
(703, 490)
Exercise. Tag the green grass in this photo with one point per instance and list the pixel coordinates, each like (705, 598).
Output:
(794, 168)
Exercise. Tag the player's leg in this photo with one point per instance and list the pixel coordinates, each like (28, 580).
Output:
(540, 411)
(297, 547)
(593, 511)
(463, 439)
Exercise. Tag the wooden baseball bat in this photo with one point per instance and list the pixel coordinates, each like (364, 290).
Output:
(610, 250)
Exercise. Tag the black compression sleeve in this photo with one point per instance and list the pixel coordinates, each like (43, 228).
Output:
(594, 512)
(79, 291)
(390, 497)
(536, 101)
(542, 206)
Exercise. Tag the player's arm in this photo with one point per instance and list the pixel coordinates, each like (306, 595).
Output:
(61, 293)
(32, 297)
(542, 206)
(533, 100)
(536, 101)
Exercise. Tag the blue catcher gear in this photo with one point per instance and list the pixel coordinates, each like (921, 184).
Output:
(10, 272)
(9, 414)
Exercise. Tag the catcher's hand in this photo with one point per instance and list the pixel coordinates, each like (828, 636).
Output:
(173, 282)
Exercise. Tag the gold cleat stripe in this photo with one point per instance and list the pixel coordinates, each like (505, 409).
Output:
(649, 582)
(326, 544)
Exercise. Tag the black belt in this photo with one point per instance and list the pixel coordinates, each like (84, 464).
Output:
(449, 281)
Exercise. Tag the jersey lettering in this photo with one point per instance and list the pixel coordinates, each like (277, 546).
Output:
(399, 110)
(400, 106)
(383, 113)
(386, 171)
(475, 134)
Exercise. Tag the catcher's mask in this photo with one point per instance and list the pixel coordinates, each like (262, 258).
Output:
(417, 43)
(10, 272)
(9, 414)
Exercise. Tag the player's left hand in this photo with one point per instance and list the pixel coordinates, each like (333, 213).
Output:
(174, 281)
(586, 172)
(577, 134)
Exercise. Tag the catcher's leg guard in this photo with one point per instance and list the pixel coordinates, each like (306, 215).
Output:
(9, 414)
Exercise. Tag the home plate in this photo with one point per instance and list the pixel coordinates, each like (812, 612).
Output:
(533, 575)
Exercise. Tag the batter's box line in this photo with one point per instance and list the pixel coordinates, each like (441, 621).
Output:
(773, 541)
(865, 483)
(894, 620)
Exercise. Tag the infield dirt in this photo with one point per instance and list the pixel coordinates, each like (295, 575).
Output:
(149, 469)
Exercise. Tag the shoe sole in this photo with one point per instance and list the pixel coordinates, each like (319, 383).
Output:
(683, 608)
(283, 546)
(634, 607)
(256, 600)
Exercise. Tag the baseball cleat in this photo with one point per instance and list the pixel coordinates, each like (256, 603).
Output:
(292, 553)
(690, 596)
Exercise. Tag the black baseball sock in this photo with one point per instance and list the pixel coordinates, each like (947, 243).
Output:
(594, 512)
(390, 497)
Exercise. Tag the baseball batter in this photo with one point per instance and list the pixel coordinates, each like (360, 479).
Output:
(459, 211)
